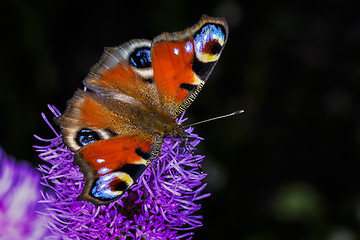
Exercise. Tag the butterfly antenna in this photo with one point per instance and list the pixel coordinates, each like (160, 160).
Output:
(215, 118)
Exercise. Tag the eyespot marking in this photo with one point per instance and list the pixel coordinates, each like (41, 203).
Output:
(86, 136)
(111, 186)
(209, 42)
(141, 57)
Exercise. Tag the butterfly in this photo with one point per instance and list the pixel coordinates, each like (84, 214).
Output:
(132, 99)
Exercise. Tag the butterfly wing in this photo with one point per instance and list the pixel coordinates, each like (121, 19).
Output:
(111, 150)
(182, 61)
(125, 73)
(134, 93)
(113, 165)
(108, 126)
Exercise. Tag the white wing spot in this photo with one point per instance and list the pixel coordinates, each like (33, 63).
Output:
(189, 47)
(103, 170)
(99, 160)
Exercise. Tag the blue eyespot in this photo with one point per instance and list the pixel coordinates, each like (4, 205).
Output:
(210, 39)
(109, 187)
(86, 136)
(141, 57)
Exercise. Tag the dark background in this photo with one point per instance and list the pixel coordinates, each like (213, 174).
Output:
(285, 169)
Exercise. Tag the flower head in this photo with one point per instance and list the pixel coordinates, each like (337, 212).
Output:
(19, 195)
(159, 206)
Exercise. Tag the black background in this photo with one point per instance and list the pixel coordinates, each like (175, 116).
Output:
(285, 169)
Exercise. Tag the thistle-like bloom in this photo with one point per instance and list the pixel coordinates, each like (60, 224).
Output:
(160, 205)
(19, 196)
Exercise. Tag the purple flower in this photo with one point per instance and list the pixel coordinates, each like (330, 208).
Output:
(160, 206)
(19, 196)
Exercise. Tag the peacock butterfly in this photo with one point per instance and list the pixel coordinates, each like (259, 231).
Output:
(133, 96)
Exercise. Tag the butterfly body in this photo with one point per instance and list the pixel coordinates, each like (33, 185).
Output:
(133, 96)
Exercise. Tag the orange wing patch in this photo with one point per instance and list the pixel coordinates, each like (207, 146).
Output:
(120, 77)
(172, 66)
(111, 154)
(92, 112)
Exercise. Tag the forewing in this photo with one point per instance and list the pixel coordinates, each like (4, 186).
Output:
(183, 61)
(125, 73)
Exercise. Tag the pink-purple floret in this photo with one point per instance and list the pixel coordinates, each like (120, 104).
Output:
(19, 196)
